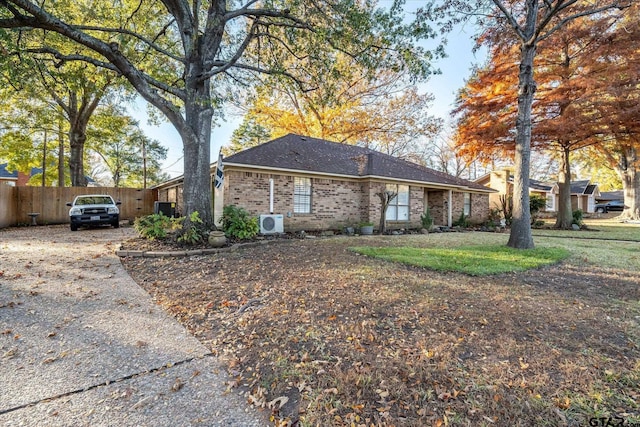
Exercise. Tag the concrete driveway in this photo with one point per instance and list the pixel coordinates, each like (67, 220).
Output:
(81, 344)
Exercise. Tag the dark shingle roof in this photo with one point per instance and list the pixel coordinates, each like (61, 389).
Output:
(536, 185)
(579, 187)
(5, 174)
(611, 195)
(539, 185)
(305, 154)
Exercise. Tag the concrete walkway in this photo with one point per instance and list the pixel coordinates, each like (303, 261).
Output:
(81, 344)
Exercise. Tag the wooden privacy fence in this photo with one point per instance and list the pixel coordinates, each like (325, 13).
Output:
(16, 203)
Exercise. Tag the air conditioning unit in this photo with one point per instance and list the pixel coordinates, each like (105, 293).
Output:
(270, 224)
(167, 208)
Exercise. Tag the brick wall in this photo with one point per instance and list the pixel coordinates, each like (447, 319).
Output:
(335, 203)
(435, 202)
(416, 206)
(479, 208)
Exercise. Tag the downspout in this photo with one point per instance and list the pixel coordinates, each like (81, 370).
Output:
(270, 195)
(450, 209)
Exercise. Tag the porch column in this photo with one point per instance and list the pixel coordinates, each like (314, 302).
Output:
(450, 209)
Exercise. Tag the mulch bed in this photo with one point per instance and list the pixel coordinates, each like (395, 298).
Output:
(322, 336)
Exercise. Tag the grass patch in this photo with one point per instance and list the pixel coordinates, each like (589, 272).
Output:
(472, 260)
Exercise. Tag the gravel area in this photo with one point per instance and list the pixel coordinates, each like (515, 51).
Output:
(82, 344)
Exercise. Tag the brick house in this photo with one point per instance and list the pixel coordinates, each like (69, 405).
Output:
(14, 178)
(319, 185)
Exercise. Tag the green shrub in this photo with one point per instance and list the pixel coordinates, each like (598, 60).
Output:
(536, 203)
(155, 226)
(426, 219)
(237, 223)
(463, 221)
(194, 233)
(578, 217)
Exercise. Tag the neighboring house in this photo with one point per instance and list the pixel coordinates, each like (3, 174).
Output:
(17, 178)
(583, 193)
(14, 178)
(316, 184)
(502, 182)
(6, 177)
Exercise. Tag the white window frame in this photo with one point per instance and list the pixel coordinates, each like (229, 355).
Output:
(551, 202)
(301, 195)
(466, 207)
(398, 208)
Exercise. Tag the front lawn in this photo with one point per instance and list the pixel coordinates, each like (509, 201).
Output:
(319, 335)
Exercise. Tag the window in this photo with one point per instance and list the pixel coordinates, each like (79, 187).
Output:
(398, 209)
(467, 204)
(302, 195)
(551, 202)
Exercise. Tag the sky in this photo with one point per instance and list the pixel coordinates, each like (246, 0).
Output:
(455, 68)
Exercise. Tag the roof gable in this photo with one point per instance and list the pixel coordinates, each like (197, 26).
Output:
(579, 187)
(305, 154)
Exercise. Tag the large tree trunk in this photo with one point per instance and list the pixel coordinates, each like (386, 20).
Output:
(628, 170)
(60, 154)
(77, 138)
(79, 112)
(197, 145)
(520, 237)
(565, 213)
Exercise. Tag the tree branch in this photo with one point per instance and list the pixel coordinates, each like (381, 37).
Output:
(580, 15)
(233, 61)
(150, 43)
(39, 18)
(102, 64)
(514, 24)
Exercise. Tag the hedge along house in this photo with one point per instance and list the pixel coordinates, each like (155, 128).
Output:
(313, 184)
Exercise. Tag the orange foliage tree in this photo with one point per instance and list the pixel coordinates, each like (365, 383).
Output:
(616, 108)
(571, 80)
(347, 104)
(529, 22)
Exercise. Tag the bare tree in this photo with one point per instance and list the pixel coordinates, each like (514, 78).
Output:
(386, 197)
